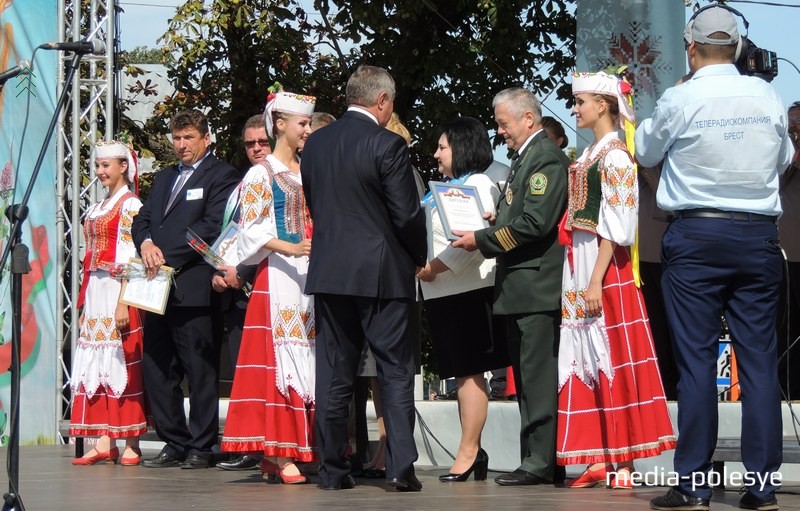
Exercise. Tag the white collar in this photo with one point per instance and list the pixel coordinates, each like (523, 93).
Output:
(362, 110)
(527, 141)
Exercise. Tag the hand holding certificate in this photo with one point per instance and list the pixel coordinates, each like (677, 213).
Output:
(459, 208)
(139, 291)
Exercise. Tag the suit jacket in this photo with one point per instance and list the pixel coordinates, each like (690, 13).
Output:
(524, 238)
(199, 206)
(369, 228)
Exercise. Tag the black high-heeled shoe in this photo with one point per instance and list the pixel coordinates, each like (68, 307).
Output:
(480, 467)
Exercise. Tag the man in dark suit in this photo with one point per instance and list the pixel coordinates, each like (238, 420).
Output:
(182, 341)
(524, 239)
(369, 238)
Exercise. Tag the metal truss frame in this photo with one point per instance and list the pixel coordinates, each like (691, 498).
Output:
(89, 116)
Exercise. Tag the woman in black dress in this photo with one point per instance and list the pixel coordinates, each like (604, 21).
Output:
(457, 287)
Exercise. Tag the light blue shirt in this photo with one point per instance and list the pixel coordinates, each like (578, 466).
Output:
(725, 140)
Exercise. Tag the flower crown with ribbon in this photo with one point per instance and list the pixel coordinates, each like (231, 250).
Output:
(287, 102)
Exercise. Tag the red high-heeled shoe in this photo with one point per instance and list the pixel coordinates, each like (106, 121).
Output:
(590, 478)
(133, 460)
(109, 455)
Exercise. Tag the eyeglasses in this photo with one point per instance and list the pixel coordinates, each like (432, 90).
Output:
(252, 143)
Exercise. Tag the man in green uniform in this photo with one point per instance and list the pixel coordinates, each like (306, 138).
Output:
(524, 239)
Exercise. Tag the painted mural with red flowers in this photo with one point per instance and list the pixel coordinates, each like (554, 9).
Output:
(27, 104)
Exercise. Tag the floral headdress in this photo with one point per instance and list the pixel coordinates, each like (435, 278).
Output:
(288, 102)
(609, 85)
(105, 149)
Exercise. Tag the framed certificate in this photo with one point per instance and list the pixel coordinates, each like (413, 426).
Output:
(150, 295)
(222, 252)
(459, 208)
(226, 245)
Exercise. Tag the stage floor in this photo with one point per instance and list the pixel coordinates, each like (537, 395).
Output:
(49, 482)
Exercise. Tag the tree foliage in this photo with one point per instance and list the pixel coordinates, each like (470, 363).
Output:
(230, 51)
(145, 55)
(448, 58)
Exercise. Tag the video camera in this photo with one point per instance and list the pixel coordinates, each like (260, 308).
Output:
(755, 61)
(751, 60)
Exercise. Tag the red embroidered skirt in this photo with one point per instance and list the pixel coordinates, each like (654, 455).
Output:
(117, 417)
(626, 418)
(260, 418)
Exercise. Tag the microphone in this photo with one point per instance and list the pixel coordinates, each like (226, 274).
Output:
(93, 46)
(24, 67)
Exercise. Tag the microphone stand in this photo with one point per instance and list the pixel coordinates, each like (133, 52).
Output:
(17, 214)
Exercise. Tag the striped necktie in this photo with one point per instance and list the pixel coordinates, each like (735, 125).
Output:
(178, 185)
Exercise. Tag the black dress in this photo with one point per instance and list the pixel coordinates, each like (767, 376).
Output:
(467, 339)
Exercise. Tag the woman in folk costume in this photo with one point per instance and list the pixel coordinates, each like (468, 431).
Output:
(106, 366)
(271, 409)
(611, 404)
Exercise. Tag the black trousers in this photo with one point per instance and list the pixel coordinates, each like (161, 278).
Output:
(344, 323)
(788, 332)
(654, 301)
(182, 343)
(234, 313)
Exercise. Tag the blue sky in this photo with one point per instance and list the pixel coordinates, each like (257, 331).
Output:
(771, 27)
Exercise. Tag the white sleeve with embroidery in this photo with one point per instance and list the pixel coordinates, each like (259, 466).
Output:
(257, 220)
(125, 246)
(620, 205)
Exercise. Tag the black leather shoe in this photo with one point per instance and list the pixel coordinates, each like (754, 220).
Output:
(408, 483)
(240, 463)
(750, 501)
(195, 461)
(373, 473)
(560, 475)
(520, 477)
(348, 483)
(674, 499)
(162, 460)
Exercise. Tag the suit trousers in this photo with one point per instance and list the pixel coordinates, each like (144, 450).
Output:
(714, 267)
(344, 323)
(233, 316)
(179, 344)
(654, 301)
(789, 332)
(533, 350)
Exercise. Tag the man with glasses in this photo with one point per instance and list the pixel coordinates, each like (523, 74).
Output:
(229, 280)
(256, 142)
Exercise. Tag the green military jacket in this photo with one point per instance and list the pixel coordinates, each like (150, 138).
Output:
(524, 238)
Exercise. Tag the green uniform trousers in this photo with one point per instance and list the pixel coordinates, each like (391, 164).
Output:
(533, 349)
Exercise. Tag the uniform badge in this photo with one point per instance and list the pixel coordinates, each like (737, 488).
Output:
(538, 184)
(509, 196)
